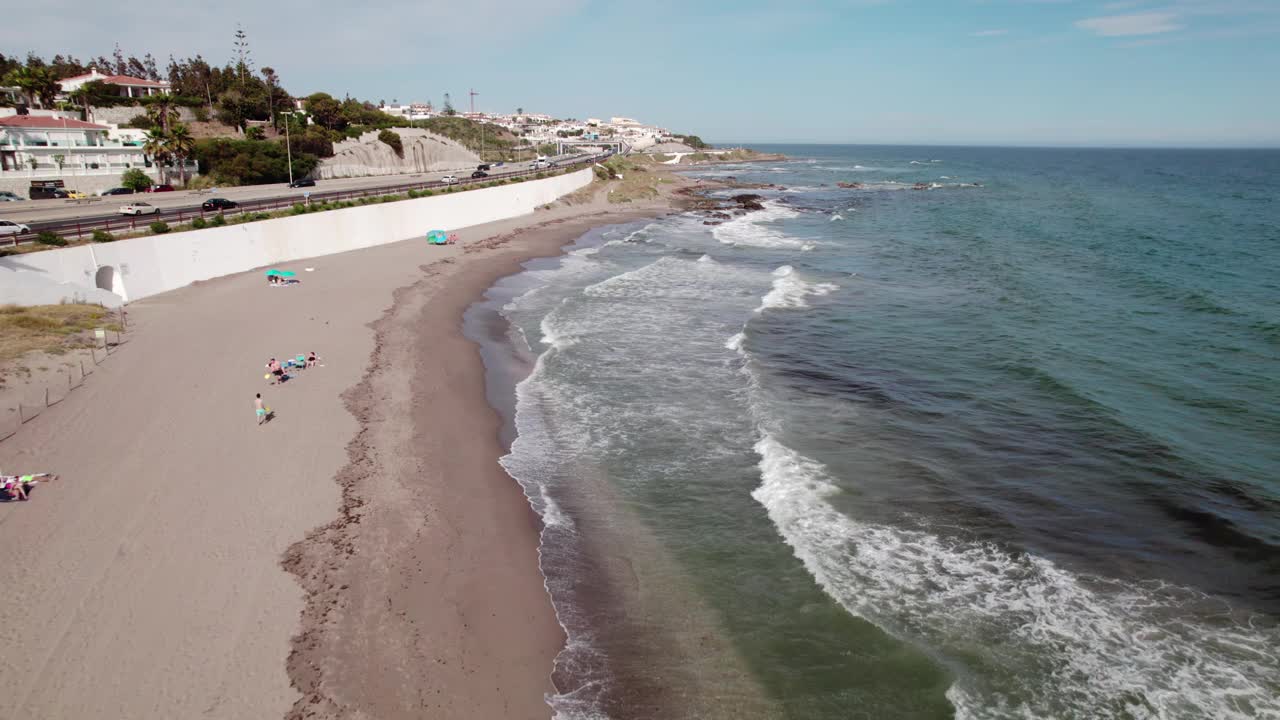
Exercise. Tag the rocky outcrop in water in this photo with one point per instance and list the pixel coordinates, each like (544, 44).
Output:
(423, 152)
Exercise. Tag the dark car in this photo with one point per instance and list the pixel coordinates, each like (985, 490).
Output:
(482, 167)
(160, 188)
(217, 204)
(479, 174)
(118, 191)
(304, 182)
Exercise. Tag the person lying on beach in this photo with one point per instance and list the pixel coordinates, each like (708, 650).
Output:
(18, 486)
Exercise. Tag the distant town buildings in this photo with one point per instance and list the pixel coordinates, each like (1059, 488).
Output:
(540, 128)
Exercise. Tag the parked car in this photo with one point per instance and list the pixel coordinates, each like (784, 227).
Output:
(117, 191)
(304, 182)
(483, 167)
(47, 189)
(6, 196)
(160, 188)
(217, 204)
(9, 228)
(449, 179)
(139, 208)
(479, 174)
(77, 195)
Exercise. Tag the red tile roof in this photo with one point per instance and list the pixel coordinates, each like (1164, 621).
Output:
(47, 123)
(118, 80)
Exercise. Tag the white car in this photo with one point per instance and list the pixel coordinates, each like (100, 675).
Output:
(6, 196)
(9, 229)
(139, 208)
(448, 179)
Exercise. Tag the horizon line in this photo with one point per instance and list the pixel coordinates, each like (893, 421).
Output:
(1028, 146)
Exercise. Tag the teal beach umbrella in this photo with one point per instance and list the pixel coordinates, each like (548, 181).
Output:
(437, 237)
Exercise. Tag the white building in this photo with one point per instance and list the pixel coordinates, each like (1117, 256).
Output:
(131, 87)
(35, 147)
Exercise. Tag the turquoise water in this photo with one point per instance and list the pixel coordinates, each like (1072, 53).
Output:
(1003, 447)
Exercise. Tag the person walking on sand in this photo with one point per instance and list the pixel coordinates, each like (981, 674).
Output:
(260, 409)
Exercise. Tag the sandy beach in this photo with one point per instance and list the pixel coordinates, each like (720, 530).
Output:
(165, 574)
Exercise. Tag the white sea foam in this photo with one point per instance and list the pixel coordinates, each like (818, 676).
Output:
(791, 291)
(836, 216)
(755, 230)
(1063, 645)
(735, 342)
(706, 259)
(554, 336)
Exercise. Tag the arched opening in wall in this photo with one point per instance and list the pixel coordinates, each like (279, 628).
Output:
(108, 279)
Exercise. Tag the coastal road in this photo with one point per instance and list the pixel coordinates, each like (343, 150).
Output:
(78, 218)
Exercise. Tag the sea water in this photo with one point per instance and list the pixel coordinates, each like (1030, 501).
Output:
(1006, 446)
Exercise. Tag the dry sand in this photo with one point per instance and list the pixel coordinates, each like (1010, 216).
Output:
(148, 583)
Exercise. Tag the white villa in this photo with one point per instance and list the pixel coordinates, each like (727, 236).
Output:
(131, 87)
(47, 147)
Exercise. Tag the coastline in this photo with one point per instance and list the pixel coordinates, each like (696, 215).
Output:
(157, 554)
(468, 631)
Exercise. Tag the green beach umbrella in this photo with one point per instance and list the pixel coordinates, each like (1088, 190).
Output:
(437, 237)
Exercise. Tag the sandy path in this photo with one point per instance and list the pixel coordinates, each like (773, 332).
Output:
(149, 578)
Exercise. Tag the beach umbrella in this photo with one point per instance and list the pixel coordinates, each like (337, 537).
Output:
(437, 237)
(286, 273)
(272, 272)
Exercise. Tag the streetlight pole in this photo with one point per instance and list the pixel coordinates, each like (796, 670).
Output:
(288, 148)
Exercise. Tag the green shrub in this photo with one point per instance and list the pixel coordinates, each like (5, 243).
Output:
(254, 133)
(135, 180)
(218, 221)
(392, 139)
(160, 227)
(298, 209)
(48, 237)
(101, 235)
(199, 223)
(428, 193)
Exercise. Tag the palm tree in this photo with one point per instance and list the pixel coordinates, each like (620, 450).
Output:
(181, 146)
(156, 144)
(162, 112)
(35, 82)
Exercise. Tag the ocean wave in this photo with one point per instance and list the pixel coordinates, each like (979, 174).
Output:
(753, 230)
(790, 290)
(836, 216)
(1054, 644)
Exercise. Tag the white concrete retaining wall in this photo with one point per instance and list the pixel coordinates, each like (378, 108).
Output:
(132, 269)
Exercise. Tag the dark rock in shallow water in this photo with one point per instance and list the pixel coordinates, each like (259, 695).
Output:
(712, 222)
(747, 201)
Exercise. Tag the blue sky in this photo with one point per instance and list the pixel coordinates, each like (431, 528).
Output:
(1053, 72)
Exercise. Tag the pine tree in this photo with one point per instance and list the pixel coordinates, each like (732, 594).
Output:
(244, 59)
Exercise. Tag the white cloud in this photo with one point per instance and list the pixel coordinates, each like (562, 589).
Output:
(989, 33)
(1152, 23)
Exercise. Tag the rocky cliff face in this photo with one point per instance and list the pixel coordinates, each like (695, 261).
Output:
(423, 152)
